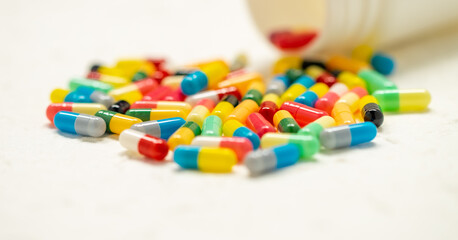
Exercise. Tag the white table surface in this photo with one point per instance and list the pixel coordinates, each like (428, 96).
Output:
(402, 186)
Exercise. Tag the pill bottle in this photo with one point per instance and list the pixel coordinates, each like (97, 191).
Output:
(333, 26)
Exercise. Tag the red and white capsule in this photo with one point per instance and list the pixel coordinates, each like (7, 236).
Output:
(151, 147)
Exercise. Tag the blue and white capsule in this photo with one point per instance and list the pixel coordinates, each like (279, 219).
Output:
(270, 159)
(278, 84)
(348, 135)
(78, 123)
(163, 128)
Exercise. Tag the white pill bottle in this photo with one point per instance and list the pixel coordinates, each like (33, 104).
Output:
(343, 24)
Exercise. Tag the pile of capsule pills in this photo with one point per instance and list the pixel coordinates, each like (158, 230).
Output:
(213, 115)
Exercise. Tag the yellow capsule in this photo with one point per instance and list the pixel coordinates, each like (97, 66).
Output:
(128, 93)
(114, 81)
(223, 109)
(320, 89)
(183, 136)
(285, 63)
(88, 108)
(272, 97)
(403, 100)
(230, 126)
(241, 82)
(314, 71)
(131, 66)
(206, 159)
(362, 53)
(112, 71)
(293, 92)
(365, 100)
(351, 98)
(345, 64)
(215, 72)
(257, 85)
(198, 115)
(342, 114)
(173, 82)
(241, 112)
(218, 160)
(351, 80)
(58, 95)
(326, 121)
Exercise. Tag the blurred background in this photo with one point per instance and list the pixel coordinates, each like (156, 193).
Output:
(405, 187)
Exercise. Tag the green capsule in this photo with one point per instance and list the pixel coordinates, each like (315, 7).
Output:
(285, 122)
(254, 95)
(375, 81)
(95, 84)
(213, 126)
(294, 74)
(316, 127)
(140, 75)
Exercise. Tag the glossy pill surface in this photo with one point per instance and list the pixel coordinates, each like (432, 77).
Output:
(257, 123)
(154, 114)
(316, 127)
(233, 128)
(97, 85)
(343, 114)
(370, 110)
(270, 159)
(348, 135)
(117, 122)
(200, 111)
(375, 81)
(326, 103)
(144, 144)
(225, 107)
(163, 128)
(403, 100)
(240, 145)
(206, 159)
(243, 110)
(308, 145)
(120, 107)
(82, 124)
(303, 114)
(297, 88)
(184, 135)
(284, 122)
(86, 108)
(212, 126)
(278, 85)
(163, 105)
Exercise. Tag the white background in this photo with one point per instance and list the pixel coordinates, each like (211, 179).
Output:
(402, 186)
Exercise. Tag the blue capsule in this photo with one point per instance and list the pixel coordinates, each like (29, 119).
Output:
(348, 135)
(77, 97)
(163, 128)
(78, 123)
(194, 83)
(383, 63)
(247, 133)
(266, 160)
(308, 98)
(305, 81)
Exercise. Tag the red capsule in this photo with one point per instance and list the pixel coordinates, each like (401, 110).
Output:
(175, 95)
(157, 94)
(157, 62)
(228, 91)
(303, 114)
(159, 75)
(268, 110)
(259, 124)
(326, 103)
(327, 79)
